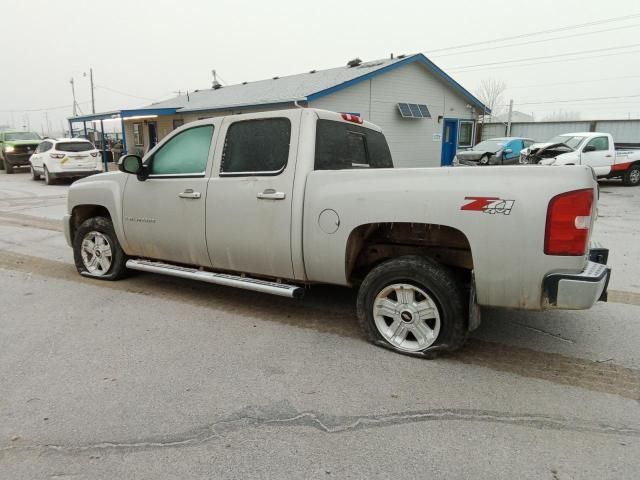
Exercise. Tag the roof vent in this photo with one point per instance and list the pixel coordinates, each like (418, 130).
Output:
(244, 83)
(312, 71)
(354, 63)
(276, 78)
(401, 56)
(216, 85)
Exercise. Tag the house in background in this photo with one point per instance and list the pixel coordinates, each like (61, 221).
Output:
(424, 113)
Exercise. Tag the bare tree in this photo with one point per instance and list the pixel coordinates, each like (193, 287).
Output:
(491, 93)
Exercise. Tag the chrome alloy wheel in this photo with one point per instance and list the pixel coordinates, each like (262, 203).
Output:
(634, 176)
(96, 253)
(407, 317)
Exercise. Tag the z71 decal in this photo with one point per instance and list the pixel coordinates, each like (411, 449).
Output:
(490, 205)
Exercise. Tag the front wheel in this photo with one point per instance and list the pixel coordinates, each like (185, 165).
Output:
(631, 177)
(7, 166)
(413, 305)
(34, 174)
(97, 252)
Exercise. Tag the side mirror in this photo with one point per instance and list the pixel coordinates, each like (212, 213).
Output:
(589, 148)
(133, 164)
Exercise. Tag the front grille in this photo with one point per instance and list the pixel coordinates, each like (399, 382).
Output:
(24, 148)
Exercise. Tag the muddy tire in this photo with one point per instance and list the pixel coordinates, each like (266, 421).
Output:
(413, 305)
(8, 167)
(631, 177)
(97, 252)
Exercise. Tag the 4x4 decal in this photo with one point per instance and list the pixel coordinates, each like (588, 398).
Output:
(490, 205)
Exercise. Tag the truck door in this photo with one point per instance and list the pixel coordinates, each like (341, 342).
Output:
(163, 216)
(597, 154)
(249, 198)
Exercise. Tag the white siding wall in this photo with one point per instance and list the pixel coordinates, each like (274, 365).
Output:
(410, 140)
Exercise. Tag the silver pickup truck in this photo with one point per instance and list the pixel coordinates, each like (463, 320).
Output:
(278, 201)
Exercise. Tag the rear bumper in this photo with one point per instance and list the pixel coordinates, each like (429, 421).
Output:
(74, 173)
(579, 291)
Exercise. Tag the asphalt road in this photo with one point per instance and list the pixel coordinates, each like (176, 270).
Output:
(154, 378)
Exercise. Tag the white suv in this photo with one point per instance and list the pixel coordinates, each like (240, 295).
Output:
(65, 158)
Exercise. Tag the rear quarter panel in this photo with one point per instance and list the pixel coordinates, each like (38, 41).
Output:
(507, 249)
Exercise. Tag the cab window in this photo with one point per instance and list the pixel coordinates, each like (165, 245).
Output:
(599, 143)
(256, 147)
(186, 153)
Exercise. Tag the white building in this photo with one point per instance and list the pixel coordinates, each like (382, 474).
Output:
(424, 113)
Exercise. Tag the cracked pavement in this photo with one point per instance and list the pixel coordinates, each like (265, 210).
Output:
(154, 378)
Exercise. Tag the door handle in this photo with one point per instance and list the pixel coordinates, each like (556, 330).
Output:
(189, 193)
(271, 194)
(608, 156)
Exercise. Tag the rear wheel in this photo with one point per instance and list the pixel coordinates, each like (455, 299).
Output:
(413, 305)
(631, 177)
(97, 252)
(48, 178)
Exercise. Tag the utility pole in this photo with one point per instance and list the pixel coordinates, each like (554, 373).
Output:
(93, 101)
(73, 92)
(509, 118)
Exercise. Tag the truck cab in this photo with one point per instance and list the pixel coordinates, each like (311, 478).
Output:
(16, 147)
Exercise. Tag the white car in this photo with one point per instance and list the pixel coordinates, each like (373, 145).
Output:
(65, 158)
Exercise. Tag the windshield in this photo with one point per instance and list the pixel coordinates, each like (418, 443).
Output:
(569, 140)
(74, 146)
(21, 136)
(489, 146)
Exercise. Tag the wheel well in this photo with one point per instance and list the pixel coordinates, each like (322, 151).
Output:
(83, 212)
(373, 243)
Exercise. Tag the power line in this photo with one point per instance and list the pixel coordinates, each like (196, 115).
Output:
(537, 41)
(60, 107)
(124, 93)
(575, 100)
(540, 32)
(544, 57)
(574, 82)
(551, 61)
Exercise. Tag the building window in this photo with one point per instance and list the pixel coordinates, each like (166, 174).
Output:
(465, 137)
(177, 123)
(137, 134)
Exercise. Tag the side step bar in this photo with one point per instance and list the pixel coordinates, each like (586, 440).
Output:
(254, 284)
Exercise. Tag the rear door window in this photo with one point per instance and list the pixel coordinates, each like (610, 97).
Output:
(342, 146)
(256, 147)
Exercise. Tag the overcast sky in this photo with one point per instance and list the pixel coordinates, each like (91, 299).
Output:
(142, 51)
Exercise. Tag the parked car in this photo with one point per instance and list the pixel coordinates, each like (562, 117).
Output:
(65, 158)
(495, 151)
(277, 201)
(16, 148)
(594, 149)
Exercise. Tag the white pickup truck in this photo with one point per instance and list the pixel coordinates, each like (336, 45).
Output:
(594, 149)
(277, 201)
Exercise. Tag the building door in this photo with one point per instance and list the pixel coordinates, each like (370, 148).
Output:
(153, 134)
(449, 141)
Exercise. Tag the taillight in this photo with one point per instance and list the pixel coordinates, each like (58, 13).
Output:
(56, 155)
(568, 223)
(352, 118)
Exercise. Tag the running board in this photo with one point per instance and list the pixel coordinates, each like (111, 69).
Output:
(254, 284)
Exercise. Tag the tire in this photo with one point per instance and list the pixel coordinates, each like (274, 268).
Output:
(631, 177)
(2, 162)
(48, 178)
(97, 252)
(34, 175)
(432, 288)
(8, 167)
